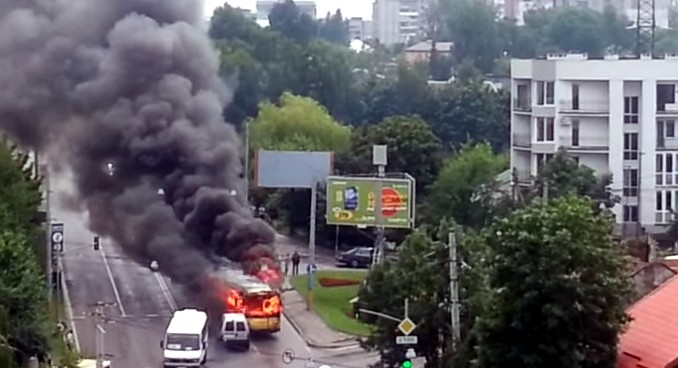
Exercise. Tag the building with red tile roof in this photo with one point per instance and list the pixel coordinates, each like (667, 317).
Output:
(651, 339)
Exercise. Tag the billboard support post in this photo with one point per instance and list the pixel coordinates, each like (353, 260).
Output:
(311, 246)
(380, 160)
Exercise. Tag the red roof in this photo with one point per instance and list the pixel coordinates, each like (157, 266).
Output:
(651, 339)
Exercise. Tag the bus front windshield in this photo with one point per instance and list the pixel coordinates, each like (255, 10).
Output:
(183, 342)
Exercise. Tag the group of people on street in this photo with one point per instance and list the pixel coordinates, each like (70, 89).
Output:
(295, 259)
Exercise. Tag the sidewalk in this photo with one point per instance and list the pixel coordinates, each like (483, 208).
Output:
(312, 328)
(285, 244)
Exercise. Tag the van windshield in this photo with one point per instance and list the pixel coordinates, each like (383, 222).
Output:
(182, 342)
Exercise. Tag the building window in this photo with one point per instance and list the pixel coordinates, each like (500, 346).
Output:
(630, 146)
(575, 133)
(576, 159)
(575, 97)
(630, 213)
(631, 110)
(670, 129)
(659, 169)
(550, 129)
(550, 93)
(545, 129)
(540, 93)
(630, 182)
(666, 94)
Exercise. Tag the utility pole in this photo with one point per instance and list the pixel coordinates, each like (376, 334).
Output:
(380, 160)
(99, 320)
(454, 289)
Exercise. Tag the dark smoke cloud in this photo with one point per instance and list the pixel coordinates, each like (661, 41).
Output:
(135, 83)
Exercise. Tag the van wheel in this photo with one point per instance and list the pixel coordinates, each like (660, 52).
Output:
(247, 346)
(354, 263)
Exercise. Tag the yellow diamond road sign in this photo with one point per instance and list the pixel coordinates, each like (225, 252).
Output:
(406, 326)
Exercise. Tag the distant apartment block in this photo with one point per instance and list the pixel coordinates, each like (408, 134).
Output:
(613, 115)
(359, 29)
(399, 21)
(264, 8)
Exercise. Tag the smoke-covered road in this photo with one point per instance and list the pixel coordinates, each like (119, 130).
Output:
(141, 302)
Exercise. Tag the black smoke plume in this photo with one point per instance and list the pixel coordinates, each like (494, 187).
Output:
(134, 83)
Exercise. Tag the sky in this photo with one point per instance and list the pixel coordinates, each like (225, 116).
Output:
(349, 8)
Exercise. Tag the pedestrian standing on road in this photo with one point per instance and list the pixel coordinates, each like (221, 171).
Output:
(296, 258)
(286, 263)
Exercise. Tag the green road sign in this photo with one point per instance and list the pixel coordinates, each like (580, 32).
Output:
(352, 201)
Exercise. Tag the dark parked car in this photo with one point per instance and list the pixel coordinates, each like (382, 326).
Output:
(356, 257)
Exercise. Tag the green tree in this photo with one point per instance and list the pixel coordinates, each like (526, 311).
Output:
(419, 279)
(291, 22)
(472, 27)
(465, 187)
(20, 193)
(334, 28)
(22, 293)
(299, 124)
(578, 30)
(327, 76)
(421, 274)
(563, 176)
(412, 148)
(466, 111)
(557, 289)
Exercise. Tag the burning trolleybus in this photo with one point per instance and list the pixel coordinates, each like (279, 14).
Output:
(261, 303)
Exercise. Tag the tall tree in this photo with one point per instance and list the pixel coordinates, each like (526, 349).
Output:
(465, 187)
(299, 124)
(412, 148)
(327, 76)
(470, 111)
(291, 22)
(563, 176)
(472, 27)
(557, 289)
(334, 28)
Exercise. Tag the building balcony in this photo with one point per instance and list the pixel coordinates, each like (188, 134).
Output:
(522, 105)
(522, 140)
(584, 107)
(596, 145)
(667, 109)
(667, 143)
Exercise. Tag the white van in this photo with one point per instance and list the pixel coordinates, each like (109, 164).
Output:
(234, 330)
(185, 343)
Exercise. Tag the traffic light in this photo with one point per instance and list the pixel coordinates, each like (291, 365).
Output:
(96, 242)
(407, 363)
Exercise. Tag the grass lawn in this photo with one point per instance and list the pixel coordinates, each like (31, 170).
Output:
(331, 303)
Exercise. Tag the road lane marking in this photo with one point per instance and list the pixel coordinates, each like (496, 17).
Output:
(68, 305)
(164, 288)
(110, 278)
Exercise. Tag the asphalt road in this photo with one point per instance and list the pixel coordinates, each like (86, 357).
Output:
(140, 302)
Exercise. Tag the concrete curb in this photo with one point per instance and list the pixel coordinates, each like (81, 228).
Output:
(333, 345)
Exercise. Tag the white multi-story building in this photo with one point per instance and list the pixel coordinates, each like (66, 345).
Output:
(398, 21)
(613, 115)
(359, 29)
